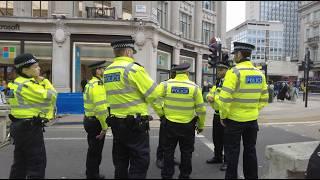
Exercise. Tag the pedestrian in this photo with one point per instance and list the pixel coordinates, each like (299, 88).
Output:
(160, 149)
(182, 111)
(243, 94)
(95, 108)
(312, 171)
(283, 92)
(271, 91)
(293, 92)
(217, 128)
(129, 90)
(32, 104)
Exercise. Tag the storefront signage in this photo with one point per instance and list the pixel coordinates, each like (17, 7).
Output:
(10, 27)
(141, 9)
(8, 52)
(188, 46)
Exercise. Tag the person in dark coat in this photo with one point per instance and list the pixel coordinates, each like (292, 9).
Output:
(282, 92)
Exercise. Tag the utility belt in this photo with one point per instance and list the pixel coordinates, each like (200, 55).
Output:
(164, 121)
(216, 112)
(90, 118)
(35, 121)
(138, 123)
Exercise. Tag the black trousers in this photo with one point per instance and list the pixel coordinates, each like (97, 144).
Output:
(217, 136)
(233, 133)
(184, 134)
(94, 154)
(29, 153)
(130, 152)
(160, 149)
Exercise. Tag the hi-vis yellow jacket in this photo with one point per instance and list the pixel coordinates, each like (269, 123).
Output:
(129, 88)
(31, 98)
(182, 100)
(214, 93)
(243, 94)
(95, 101)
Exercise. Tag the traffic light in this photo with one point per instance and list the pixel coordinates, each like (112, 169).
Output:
(215, 49)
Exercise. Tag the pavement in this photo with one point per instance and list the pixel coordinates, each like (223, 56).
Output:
(279, 123)
(276, 112)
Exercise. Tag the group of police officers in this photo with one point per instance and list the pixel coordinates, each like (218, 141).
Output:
(118, 96)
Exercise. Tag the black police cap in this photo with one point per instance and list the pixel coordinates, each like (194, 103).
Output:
(25, 60)
(98, 64)
(125, 43)
(241, 46)
(182, 67)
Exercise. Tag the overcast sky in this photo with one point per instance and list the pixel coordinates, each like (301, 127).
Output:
(235, 13)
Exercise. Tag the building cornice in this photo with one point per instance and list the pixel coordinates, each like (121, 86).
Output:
(148, 25)
(307, 6)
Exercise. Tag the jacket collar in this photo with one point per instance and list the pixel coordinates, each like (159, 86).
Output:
(181, 77)
(124, 58)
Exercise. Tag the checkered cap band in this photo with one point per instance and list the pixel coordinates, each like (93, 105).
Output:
(117, 46)
(30, 61)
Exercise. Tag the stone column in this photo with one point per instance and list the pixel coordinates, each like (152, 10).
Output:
(61, 58)
(199, 68)
(22, 8)
(84, 5)
(175, 7)
(118, 6)
(198, 21)
(176, 54)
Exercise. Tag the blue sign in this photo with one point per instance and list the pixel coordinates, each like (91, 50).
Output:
(78, 70)
(180, 90)
(113, 77)
(253, 79)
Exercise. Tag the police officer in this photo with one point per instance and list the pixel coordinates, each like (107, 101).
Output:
(160, 149)
(182, 109)
(217, 128)
(243, 94)
(95, 107)
(32, 104)
(129, 91)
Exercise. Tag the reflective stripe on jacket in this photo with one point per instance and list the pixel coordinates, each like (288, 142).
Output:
(182, 100)
(95, 101)
(31, 98)
(129, 88)
(243, 94)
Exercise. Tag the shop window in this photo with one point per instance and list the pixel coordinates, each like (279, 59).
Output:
(191, 61)
(6, 8)
(39, 8)
(163, 66)
(85, 54)
(185, 25)
(43, 52)
(8, 51)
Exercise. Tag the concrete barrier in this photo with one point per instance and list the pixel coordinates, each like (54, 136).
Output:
(4, 110)
(289, 161)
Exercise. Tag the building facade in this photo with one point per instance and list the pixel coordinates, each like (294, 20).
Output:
(283, 11)
(267, 37)
(309, 14)
(67, 36)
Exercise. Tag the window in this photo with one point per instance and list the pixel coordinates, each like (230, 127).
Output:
(85, 54)
(191, 61)
(307, 33)
(6, 8)
(162, 12)
(163, 66)
(317, 15)
(207, 32)
(185, 25)
(316, 31)
(40, 8)
(209, 5)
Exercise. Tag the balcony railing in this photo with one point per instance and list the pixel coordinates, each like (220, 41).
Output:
(314, 39)
(95, 12)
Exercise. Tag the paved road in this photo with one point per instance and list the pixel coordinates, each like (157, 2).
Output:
(66, 149)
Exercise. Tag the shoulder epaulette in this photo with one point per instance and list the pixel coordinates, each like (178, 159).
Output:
(138, 64)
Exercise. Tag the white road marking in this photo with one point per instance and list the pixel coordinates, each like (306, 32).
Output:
(290, 123)
(206, 142)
